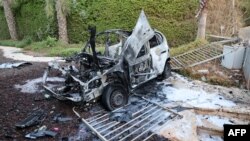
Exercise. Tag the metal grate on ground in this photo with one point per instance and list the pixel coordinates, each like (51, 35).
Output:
(147, 116)
(197, 56)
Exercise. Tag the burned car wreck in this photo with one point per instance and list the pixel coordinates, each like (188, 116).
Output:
(135, 58)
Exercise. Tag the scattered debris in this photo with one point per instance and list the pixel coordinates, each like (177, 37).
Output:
(83, 134)
(10, 133)
(41, 132)
(141, 118)
(130, 123)
(215, 122)
(186, 92)
(32, 86)
(220, 73)
(56, 129)
(89, 126)
(14, 65)
(203, 78)
(34, 118)
(121, 115)
(46, 96)
(208, 137)
(204, 71)
(59, 118)
(181, 129)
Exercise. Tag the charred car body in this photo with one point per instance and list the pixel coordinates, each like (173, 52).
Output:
(136, 58)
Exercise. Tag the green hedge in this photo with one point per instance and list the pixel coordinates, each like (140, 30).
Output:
(175, 18)
(32, 21)
(4, 31)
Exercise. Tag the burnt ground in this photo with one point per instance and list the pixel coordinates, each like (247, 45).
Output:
(15, 106)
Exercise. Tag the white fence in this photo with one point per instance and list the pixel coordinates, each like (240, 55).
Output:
(246, 67)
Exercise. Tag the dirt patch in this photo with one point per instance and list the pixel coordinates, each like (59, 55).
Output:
(214, 73)
(15, 106)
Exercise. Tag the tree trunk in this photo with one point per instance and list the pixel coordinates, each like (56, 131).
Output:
(62, 22)
(10, 19)
(202, 21)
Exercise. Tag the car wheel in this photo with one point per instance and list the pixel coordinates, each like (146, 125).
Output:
(166, 73)
(114, 96)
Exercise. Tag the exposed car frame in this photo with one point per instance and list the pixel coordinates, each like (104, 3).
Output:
(136, 58)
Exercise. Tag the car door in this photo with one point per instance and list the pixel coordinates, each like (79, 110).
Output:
(159, 51)
(140, 70)
(137, 50)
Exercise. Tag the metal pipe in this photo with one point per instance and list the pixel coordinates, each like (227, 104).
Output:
(97, 118)
(148, 129)
(199, 55)
(142, 110)
(178, 62)
(117, 135)
(93, 117)
(142, 74)
(100, 121)
(106, 119)
(106, 125)
(220, 37)
(141, 127)
(206, 53)
(165, 108)
(109, 127)
(116, 123)
(149, 137)
(128, 122)
(88, 125)
(105, 115)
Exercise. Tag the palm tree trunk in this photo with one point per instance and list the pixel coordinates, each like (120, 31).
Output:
(10, 19)
(62, 22)
(202, 21)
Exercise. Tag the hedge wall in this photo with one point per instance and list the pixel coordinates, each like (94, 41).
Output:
(32, 21)
(175, 18)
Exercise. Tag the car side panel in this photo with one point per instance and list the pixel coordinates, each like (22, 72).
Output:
(160, 54)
